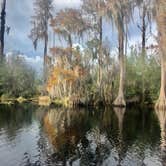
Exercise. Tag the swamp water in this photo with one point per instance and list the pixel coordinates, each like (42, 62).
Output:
(38, 136)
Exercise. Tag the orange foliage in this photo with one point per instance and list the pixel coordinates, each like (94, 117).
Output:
(60, 76)
(61, 57)
(69, 21)
(58, 51)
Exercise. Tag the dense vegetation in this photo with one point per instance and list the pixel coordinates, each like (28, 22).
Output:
(92, 72)
(80, 82)
(17, 79)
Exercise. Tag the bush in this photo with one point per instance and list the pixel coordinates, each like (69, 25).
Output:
(142, 76)
(17, 78)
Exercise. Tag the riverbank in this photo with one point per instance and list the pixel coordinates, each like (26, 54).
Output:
(69, 103)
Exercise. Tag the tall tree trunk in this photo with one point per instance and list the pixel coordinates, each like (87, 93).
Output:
(2, 28)
(100, 52)
(45, 58)
(161, 103)
(53, 39)
(143, 29)
(120, 101)
(161, 22)
(45, 50)
(70, 47)
(126, 40)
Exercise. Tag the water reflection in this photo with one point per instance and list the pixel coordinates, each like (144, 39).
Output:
(76, 136)
(161, 114)
(31, 135)
(101, 137)
(13, 119)
(119, 112)
(65, 128)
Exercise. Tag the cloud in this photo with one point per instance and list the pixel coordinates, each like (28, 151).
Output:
(33, 61)
(66, 3)
(18, 17)
(36, 62)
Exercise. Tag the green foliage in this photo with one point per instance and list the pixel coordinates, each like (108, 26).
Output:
(142, 76)
(17, 78)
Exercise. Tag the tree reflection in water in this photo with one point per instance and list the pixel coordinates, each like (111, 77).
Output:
(120, 148)
(161, 114)
(65, 128)
(54, 136)
(80, 136)
(100, 137)
(57, 136)
(76, 137)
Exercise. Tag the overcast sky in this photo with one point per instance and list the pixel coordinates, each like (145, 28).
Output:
(18, 17)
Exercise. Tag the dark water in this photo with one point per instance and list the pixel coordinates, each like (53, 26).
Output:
(38, 136)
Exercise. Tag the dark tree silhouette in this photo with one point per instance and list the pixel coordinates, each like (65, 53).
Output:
(2, 28)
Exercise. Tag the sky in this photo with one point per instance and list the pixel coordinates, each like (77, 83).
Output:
(18, 17)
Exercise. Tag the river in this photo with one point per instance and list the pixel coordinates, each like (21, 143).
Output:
(32, 135)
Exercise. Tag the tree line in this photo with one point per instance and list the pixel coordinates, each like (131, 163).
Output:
(90, 75)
